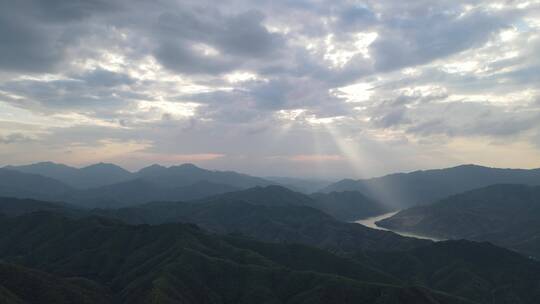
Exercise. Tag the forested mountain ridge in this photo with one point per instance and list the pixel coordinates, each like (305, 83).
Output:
(506, 215)
(179, 263)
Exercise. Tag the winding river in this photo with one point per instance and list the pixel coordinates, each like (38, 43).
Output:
(370, 222)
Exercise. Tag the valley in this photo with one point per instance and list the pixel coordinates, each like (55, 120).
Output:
(371, 222)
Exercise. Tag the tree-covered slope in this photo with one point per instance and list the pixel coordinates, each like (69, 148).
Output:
(24, 185)
(344, 206)
(478, 271)
(507, 215)
(281, 223)
(178, 263)
(349, 205)
(21, 285)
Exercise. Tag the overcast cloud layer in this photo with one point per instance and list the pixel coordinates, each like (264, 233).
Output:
(286, 87)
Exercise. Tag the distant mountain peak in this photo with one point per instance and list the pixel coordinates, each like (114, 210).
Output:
(275, 188)
(152, 169)
(188, 167)
(102, 165)
(470, 166)
(44, 164)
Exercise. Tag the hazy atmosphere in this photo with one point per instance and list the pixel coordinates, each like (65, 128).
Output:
(288, 88)
(283, 152)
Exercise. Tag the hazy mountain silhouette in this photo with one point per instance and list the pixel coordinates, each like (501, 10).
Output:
(103, 174)
(270, 213)
(345, 206)
(128, 193)
(138, 191)
(403, 190)
(154, 183)
(91, 176)
(24, 185)
(187, 174)
(507, 215)
(304, 185)
(349, 205)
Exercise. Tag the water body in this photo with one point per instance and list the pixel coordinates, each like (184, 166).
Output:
(370, 222)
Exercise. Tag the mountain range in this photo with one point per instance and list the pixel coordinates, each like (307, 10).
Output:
(155, 186)
(189, 235)
(109, 186)
(77, 256)
(87, 177)
(403, 190)
(103, 174)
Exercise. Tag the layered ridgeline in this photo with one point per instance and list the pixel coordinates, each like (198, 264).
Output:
(88, 259)
(506, 215)
(304, 185)
(107, 174)
(349, 205)
(272, 213)
(95, 260)
(403, 190)
(113, 187)
(249, 213)
(156, 186)
(132, 192)
(88, 177)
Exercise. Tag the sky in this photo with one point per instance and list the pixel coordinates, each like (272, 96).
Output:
(272, 88)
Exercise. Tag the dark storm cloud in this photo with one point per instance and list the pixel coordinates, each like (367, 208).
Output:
(183, 59)
(256, 99)
(96, 91)
(35, 34)
(412, 41)
(236, 39)
(25, 47)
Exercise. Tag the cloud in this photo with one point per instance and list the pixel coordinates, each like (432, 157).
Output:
(408, 42)
(316, 158)
(241, 82)
(36, 34)
(13, 138)
(206, 41)
(104, 78)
